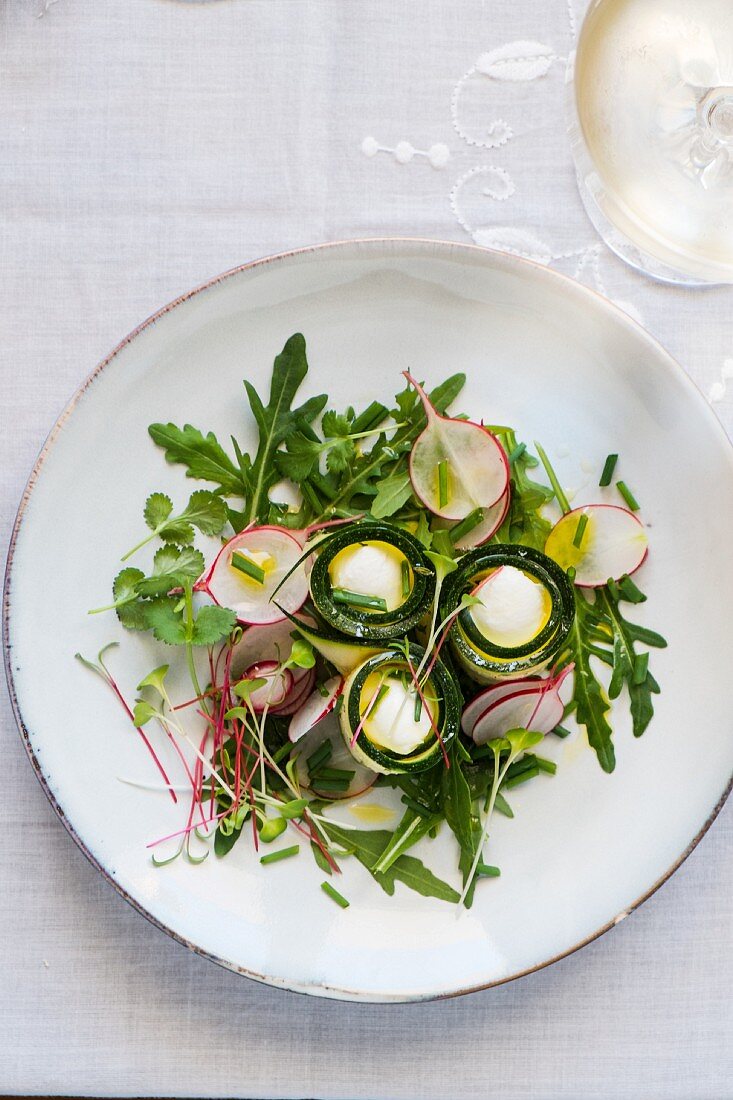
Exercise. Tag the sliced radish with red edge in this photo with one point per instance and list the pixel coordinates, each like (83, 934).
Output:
(279, 683)
(315, 708)
(248, 598)
(492, 694)
(613, 544)
(477, 469)
(536, 707)
(301, 689)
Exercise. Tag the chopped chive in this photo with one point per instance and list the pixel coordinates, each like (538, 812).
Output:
(548, 766)
(462, 751)
(380, 695)
(580, 530)
(501, 804)
(334, 773)
(293, 809)
(284, 853)
(443, 483)
(418, 707)
(613, 589)
(608, 467)
(418, 807)
(485, 870)
(466, 525)
(330, 784)
(334, 894)
(528, 773)
(560, 731)
(311, 497)
(627, 495)
(373, 415)
(517, 453)
(562, 500)
(405, 579)
(629, 591)
(572, 573)
(358, 599)
(323, 691)
(320, 756)
(641, 668)
(246, 565)
(282, 752)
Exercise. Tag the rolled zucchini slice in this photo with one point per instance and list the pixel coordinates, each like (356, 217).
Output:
(526, 611)
(372, 581)
(397, 728)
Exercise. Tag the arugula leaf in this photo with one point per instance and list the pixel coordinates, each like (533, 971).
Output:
(629, 667)
(277, 419)
(524, 523)
(367, 846)
(590, 701)
(202, 455)
(463, 823)
(392, 493)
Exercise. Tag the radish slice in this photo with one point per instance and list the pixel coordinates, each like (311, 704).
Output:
(275, 690)
(613, 543)
(301, 689)
(329, 730)
(487, 528)
(315, 708)
(276, 551)
(273, 642)
(492, 694)
(476, 465)
(536, 707)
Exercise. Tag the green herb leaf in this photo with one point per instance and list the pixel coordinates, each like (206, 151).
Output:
(277, 419)
(212, 624)
(203, 457)
(158, 508)
(392, 494)
(367, 845)
(172, 567)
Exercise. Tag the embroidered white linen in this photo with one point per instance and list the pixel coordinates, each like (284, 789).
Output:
(149, 144)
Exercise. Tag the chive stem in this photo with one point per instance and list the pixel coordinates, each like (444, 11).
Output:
(334, 773)
(522, 777)
(628, 495)
(485, 870)
(330, 784)
(334, 895)
(405, 579)
(247, 566)
(358, 599)
(283, 853)
(418, 807)
(466, 525)
(418, 707)
(608, 467)
(320, 756)
(517, 453)
(629, 590)
(557, 488)
(560, 731)
(283, 751)
(443, 483)
(545, 765)
(580, 530)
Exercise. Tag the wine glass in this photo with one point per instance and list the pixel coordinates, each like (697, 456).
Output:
(651, 127)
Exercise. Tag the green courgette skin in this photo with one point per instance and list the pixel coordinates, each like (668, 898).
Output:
(373, 625)
(483, 660)
(450, 704)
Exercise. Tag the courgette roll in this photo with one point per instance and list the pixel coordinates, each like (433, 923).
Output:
(372, 581)
(399, 728)
(524, 611)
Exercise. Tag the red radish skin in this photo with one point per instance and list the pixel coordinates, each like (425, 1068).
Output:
(478, 467)
(298, 694)
(252, 603)
(275, 691)
(537, 707)
(315, 708)
(614, 544)
(490, 524)
(481, 702)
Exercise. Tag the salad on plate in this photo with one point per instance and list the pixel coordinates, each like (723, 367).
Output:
(387, 600)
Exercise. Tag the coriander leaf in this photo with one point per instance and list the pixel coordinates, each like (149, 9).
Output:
(202, 455)
(212, 624)
(158, 508)
(171, 567)
(392, 493)
(300, 459)
(131, 610)
(124, 586)
(206, 511)
(277, 419)
(165, 622)
(334, 424)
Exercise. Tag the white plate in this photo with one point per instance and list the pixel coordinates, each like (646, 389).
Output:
(540, 352)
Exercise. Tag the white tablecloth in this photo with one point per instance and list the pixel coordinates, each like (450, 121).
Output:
(147, 145)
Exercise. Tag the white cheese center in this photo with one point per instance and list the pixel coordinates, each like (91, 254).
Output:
(371, 569)
(391, 723)
(513, 609)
